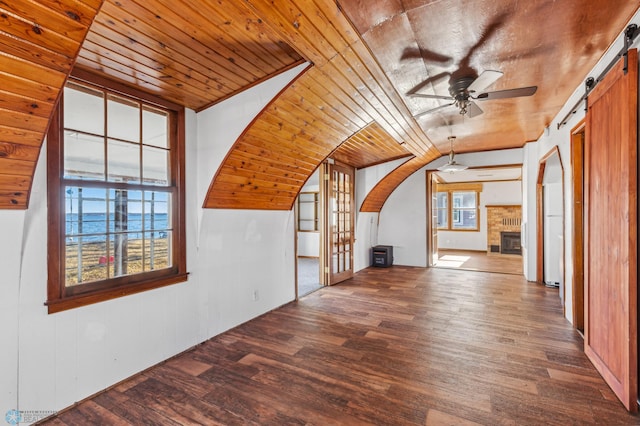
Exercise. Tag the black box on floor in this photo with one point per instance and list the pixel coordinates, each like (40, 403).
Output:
(382, 256)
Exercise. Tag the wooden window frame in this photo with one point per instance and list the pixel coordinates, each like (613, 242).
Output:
(450, 189)
(60, 297)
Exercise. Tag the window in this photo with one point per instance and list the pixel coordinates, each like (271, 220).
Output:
(116, 194)
(308, 211)
(443, 209)
(458, 210)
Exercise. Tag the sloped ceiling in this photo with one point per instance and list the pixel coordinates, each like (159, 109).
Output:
(364, 56)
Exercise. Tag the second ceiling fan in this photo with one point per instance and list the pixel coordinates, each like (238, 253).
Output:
(465, 90)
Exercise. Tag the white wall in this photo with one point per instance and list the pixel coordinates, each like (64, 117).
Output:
(493, 193)
(403, 219)
(367, 223)
(49, 362)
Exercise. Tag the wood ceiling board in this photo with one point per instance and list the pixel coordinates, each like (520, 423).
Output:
(549, 44)
(317, 29)
(116, 38)
(371, 145)
(329, 104)
(22, 121)
(19, 104)
(24, 30)
(164, 26)
(20, 137)
(38, 45)
(16, 151)
(34, 54)
(259, 175)
(147, 65)
(188, 52)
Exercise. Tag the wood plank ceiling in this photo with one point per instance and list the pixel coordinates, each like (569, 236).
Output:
(364, 57)
(190, 52)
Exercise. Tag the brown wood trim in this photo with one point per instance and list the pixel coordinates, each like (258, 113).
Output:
(114, 293)
(503, 205)
(55, 205)
(460, 186)
(577, 230)
(122, 89)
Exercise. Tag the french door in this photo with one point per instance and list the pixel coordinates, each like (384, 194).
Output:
(340, 218)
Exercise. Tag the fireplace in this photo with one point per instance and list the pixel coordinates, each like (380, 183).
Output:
(510, 243)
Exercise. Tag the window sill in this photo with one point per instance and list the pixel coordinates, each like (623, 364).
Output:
(72, 302)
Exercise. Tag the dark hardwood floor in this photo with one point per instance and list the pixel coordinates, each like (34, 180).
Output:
(391, 346)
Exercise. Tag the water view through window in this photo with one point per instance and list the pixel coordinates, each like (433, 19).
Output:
(110, 233)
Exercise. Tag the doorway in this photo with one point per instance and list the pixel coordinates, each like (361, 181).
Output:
(308, 214)
(550, 218)
(325, 228)
(470, 213)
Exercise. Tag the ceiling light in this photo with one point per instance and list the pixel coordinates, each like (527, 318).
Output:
(452, 166)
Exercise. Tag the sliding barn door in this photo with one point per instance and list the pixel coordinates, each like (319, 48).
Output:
(611, 230)
(341, 226)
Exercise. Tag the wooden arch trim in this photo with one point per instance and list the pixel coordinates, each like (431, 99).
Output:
(380, 193)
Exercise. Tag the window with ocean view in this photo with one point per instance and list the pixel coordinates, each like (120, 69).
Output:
(116, 215)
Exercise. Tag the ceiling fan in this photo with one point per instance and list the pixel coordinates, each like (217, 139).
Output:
(463, 91)
(452, 166)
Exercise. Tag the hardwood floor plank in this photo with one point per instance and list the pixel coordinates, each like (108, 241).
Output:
(396, 346)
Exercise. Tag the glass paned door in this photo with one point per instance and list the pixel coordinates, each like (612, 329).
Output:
(341, 224)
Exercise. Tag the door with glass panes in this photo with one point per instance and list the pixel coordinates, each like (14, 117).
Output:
(340, 223)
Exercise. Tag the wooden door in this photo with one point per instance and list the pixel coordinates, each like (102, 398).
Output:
(611, 230)
(341, 226)
(432, 226)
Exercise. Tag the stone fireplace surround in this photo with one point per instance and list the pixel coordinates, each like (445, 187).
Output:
(501, 218)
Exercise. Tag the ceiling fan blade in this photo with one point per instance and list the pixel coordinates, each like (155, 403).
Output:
(429, 111)
(484, 80)
(473, 110)
(428, 96)
(509, 93)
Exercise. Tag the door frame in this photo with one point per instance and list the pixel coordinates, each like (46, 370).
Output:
(542, 164)
(577, 228)
(432, 179)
